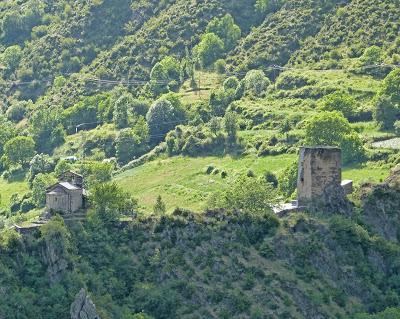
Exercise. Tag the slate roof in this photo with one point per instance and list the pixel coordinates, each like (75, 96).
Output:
(69, 186)
(65, 185)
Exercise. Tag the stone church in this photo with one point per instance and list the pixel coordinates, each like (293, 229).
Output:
(66, 196)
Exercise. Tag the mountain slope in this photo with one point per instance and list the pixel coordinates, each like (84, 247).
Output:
(216, 265)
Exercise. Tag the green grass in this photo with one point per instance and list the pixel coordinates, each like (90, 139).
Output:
(206, 82)
(7, 189)
(371, 132)
(365, 173)
(182, 182)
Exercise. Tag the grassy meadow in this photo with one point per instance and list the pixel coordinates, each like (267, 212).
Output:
(9, 188)
(182, 181)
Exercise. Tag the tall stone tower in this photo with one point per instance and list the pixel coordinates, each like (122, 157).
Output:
(319, 168)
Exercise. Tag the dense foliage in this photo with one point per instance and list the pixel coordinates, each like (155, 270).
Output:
(99, 87)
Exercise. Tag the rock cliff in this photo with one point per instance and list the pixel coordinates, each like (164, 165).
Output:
(83, 307)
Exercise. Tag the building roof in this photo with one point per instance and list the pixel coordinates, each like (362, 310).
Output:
(65, 185)
(69, 186)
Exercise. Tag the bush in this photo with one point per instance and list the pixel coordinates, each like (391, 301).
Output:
(209, 169)
(396, 126)
(40, 163)
(256, 82)
(231, 83)
(163, 117)
(226, 29)
(339, 101)
(250, 195)
(165, 76)
(287, 180)
(39, 186)
(220, 66)
(250, 173)
(332, 129)
(19, 150)
(387, 108)
(15, 202)
(17, 111)
(27, 205)
(290, 81)
(210, 48)
(139, 107)
(271, 179)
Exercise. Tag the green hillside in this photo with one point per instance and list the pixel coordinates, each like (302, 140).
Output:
(185, 119)
(216, 265)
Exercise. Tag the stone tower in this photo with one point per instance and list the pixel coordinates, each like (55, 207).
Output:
(319, 168)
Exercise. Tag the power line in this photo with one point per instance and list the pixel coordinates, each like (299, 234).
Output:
(142, 82)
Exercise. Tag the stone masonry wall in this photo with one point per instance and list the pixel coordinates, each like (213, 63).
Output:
(319, 168)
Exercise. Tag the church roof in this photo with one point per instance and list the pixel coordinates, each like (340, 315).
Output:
(67, 186)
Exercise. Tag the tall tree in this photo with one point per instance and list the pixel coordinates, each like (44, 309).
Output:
(226, 29)
(19, 150)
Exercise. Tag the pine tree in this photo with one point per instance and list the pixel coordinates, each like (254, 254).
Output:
(159, 207)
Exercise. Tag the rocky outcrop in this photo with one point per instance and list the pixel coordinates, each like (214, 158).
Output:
(54, 259)
(83, 307)
(381, 206)
(333, 200)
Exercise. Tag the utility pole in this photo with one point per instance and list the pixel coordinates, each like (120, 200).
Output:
(200, 85)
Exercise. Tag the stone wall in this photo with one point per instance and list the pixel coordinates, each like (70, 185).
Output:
(64, 201)
(319, 168)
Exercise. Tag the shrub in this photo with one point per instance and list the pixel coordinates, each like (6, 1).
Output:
(210, 48)
(290, 81)
(17, 111)
(271, 178)
(19, 150)
(250, 195)
(121, 111)
(231, 83)
(209, 169)
(396, 126)
(39, 186)
(250, 173)
(139, 107)
(387, 108)
(165, 76)
(162, 117)
(288, 179)
(226, 29)
(15, 202)
(40, 163)
(256, 82)
(332, 129)
(27, 205)
(339, 101)
(220, 66)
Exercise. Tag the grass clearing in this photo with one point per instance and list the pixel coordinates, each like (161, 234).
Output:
(182, 181)
(206, 82)
(9, 188)
(365, 173)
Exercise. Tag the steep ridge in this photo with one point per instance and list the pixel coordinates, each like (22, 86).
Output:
(353, 28)
(281, 34)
